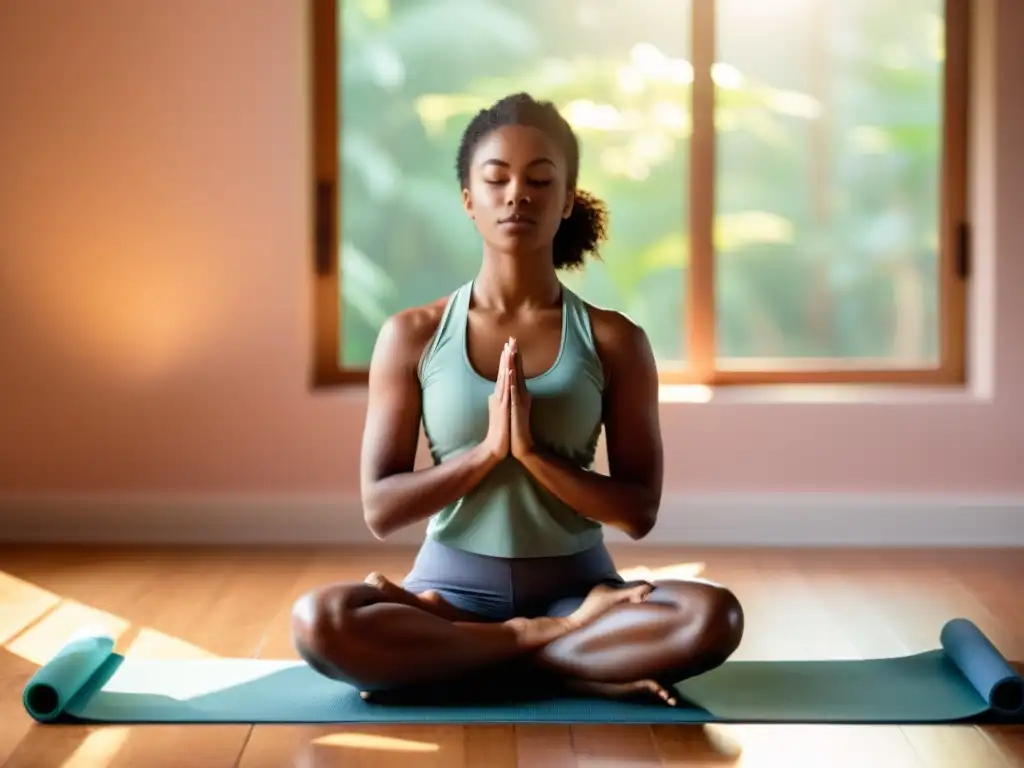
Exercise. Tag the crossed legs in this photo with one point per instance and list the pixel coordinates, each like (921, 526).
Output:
(618, 642)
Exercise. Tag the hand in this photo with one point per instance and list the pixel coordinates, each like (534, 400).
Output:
(498, 439)
(521, 439)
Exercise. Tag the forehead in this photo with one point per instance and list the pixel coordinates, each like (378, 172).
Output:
(518, 145)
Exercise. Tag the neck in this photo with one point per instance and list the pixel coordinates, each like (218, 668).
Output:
(508, 281)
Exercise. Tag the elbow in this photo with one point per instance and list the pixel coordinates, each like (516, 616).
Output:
(376, 527)
(643, 523)
(375, 517)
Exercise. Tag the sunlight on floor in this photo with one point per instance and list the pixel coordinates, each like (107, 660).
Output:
(41, 642)
(151, 644)
(21, 603)
(204, 676)
(35, 624)
(98, 749)
(723, 743)
(805, 746)
(373, 741)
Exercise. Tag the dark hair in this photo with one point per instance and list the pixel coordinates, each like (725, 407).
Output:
(586, 226)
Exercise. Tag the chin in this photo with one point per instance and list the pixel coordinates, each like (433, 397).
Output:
(520, 241)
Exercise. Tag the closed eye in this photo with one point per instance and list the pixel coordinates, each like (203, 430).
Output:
(532, 182)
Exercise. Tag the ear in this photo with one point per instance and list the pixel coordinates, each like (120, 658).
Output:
(467, 203)
(570, 200)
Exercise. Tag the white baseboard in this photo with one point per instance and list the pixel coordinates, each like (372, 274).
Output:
(787, 520)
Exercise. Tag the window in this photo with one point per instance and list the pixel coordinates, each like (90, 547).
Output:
(786, 180)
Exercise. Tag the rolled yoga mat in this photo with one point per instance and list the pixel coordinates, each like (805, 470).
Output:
(966, 680)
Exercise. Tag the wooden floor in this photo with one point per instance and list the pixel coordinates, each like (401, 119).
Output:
(799, 604)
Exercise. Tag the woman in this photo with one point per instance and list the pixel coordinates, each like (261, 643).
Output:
(513, 377)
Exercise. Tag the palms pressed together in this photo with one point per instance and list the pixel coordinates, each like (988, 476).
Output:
(509, 431)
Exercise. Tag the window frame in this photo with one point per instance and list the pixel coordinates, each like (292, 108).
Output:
(699, 321)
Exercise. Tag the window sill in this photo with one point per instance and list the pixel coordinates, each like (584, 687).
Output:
(821, 394)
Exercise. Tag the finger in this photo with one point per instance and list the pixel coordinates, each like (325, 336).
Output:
(506, 378)
(519, 364)
(499, 384)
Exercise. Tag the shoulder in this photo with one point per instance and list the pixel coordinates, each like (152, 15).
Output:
(405, 334)
(621, 343)
(631, 375)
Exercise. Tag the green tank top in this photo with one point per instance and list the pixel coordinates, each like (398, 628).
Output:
(509, 514)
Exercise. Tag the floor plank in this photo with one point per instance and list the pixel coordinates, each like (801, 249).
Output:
(613, 745)
(547, 745)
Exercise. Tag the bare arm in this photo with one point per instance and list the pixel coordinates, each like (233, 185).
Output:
(395, 495)
(629, 496)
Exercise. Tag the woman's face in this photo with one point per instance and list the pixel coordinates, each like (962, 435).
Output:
(517, 192)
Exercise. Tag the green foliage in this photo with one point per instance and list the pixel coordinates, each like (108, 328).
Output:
(829, 140)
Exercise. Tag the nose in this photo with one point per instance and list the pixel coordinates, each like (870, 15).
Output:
(517, 194)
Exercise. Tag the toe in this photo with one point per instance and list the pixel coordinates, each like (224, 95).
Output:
(666, 695)
(656, 690)
(640, 593)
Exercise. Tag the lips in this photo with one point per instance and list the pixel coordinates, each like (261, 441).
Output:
(517, 218)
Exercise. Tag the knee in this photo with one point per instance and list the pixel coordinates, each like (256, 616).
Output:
(319, 624)
(721, 621)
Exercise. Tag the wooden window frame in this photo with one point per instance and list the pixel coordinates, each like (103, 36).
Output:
(702, 366)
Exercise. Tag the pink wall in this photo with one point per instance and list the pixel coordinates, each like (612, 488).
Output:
(156, 301)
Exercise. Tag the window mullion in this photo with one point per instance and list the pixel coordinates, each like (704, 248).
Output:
(700, 315)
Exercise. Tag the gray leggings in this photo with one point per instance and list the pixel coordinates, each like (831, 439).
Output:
(498, 589)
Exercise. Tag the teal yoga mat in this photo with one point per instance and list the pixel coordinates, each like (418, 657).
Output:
(965, 679)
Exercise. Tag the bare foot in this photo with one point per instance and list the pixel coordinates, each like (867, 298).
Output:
(535, 633)
(393, 592)
(641, 690)
(429, 601)
(604, 597)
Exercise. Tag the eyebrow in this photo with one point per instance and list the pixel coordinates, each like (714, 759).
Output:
(503, 164)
